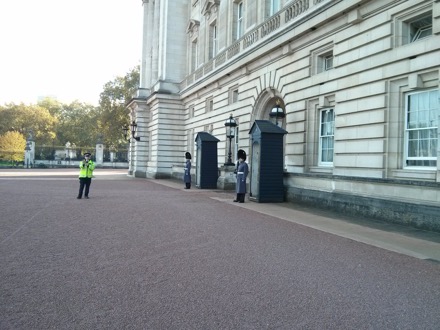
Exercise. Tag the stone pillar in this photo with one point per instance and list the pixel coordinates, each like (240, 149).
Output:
(155, 33)
(27, 160)
(30, 150)
(139, 150)
(227, 179)
(146, 64)
(130, 159)
(99, 155)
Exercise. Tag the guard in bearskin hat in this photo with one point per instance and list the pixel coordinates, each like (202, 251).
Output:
(187, 174)
(242, 173)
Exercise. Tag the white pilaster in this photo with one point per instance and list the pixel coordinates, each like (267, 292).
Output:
(146, 63)
(139, 150)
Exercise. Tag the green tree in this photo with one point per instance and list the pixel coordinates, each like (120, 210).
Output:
(113, 114)
(26, 118)
(77, 123)
(55, 123)
(12, 145)
(52, 105)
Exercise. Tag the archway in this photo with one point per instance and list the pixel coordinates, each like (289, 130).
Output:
(265, 102)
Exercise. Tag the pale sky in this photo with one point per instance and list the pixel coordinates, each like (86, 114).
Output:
(66, 49)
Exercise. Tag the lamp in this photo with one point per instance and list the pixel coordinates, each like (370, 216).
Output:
(133, 129)
(230, 125)
(277, 112)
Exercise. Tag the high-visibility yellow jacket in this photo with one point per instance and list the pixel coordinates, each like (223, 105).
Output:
(86, 169)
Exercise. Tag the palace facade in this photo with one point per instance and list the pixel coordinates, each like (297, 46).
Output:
(357, 82)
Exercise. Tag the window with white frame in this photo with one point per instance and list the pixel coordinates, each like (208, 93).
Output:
(237, 137)
(326, 136)
(421, 139)
(274, 6)
(414, 25)
(233, 95)
(239, 29)
(191, 112)
(419, 28)
(194, 55)
(209, 105)
(213, 40)
(327, 62)
(322, 59)
(234, 146)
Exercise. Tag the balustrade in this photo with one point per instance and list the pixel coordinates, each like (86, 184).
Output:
(261, 31)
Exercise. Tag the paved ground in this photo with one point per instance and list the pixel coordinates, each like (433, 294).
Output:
(147, 254)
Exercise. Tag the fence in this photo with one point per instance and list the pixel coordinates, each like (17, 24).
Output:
(60, 156)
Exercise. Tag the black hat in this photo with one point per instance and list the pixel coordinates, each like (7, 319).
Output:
(87, 154)
(187, 155)
(241, 154)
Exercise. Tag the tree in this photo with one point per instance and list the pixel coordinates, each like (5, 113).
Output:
(52, 105)
(113, 114)
(12, 145)
(25, 118)
(55, 123)
(77, 123)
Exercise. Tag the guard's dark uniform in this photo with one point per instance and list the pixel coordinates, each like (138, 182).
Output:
(242, 173)
(187, 174)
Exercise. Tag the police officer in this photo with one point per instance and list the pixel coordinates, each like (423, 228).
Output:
(85, 175)
(187, 174)
(242, 172)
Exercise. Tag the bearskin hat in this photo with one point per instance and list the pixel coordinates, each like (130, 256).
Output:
(241, 154)
(187, 155)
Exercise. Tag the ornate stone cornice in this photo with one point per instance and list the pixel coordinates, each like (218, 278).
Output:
(211, 6)
(193, 27)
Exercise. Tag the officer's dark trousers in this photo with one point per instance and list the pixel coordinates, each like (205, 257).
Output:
(84, 182)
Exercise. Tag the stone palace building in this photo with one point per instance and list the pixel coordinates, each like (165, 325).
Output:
(357, 82)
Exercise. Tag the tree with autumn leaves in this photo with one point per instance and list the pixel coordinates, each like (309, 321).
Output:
(12, 145)
(54, 123)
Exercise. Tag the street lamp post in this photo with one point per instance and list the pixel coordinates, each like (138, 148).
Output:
(230, 125)
(277, 112)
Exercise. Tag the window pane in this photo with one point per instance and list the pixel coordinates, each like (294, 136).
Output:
(422, 120)
(274, 6)
(412, 148)
(327, 135)
(328, 62)
(420, 28)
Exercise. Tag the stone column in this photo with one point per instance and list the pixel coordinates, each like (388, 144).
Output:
(130, 159)
(30, 150)
(139, 150)
(154, 35)
(146, 64)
